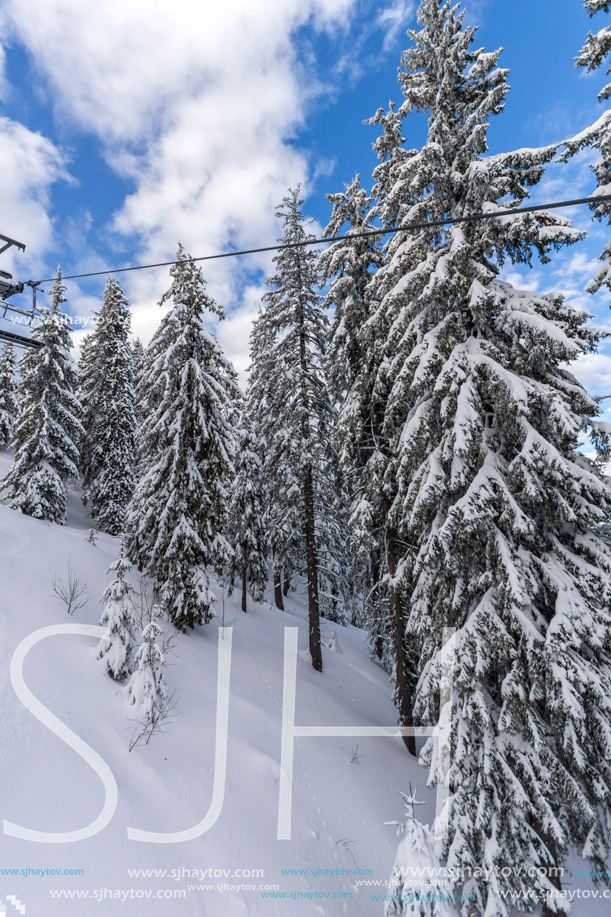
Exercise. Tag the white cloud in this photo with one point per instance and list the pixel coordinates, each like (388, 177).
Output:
(3, 82)
(394, 20)
(521, 277)
(29, 165)
(594, 372)
(233, 332)
(578, 265)
(195, 102)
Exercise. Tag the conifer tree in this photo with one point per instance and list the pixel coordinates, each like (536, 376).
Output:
(367, 445)
(48, 429)
(147, 689)
(245, 527)
(107, 396)
(597, 45)
(281, 492)
(293, 414)
(349, 266)
(137, 357)
(418, 854)
(118, 618)
(138, 364)
(8, 390)
(598, 136)
(496, 507)
(88, 394)
(177, 516)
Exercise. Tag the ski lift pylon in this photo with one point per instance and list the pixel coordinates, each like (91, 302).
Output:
(7, 289)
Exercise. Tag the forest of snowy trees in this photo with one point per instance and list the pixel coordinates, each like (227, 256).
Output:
(409, 448)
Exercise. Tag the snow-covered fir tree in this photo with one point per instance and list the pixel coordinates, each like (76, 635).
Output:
(294, 418)
(8, 391)
(597, 45)
(592, 56)
(418, 854)
(88, 394)
(348, 266)
(137, 357)
(48, 429)
(281, 492)
(373, 531)
(138, 364)
(107, 396)
(495, 506)
(147, 690)
(177, 516)
(117, 616)
(339, 595)
(367, 446)
(245, 527)
(147, 397)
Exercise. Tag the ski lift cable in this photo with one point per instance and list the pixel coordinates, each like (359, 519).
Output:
(409, 227)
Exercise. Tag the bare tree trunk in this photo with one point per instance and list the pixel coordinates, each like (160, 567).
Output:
(308, 499)
(278, 590)
(287, 583)
(244, 590)
(312, 571)
(404, 697)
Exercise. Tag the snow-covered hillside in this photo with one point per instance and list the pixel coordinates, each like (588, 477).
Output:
(339, 804)
(344, 790)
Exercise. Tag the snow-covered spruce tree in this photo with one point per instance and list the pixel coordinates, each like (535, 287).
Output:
(147, 689)
(367, 446)
(8, 391)
(147, 397)
(48, 429)
(138, 364)
(597, 45)
(292, 411)
(118, 618)
(417, 855)
(598, 136)
(340, 599)
(387, 604)
(107, 396)
(177, 516)
(137, 357)
(347, 267)
(496, 507)
(245, 527)
(87, 394)
(281, 491)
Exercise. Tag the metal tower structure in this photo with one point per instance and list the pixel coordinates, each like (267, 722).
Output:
(7, 289)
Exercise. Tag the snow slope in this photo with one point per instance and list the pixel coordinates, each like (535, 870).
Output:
(339, 807)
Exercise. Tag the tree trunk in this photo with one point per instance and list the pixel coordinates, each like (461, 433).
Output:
(278, 590)
(312, 571)
(308, 499)
(287, 583)
(244, 577)
(404, 697)
(551, 868)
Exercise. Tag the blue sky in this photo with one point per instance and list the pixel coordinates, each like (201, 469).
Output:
(130, 124)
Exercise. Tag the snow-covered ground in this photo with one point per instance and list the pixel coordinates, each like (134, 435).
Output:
(345, 789)
(339, 805)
